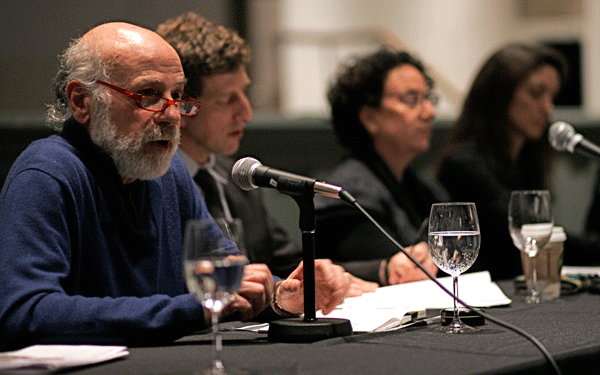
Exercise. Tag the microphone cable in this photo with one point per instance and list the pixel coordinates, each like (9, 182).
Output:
(348, 198)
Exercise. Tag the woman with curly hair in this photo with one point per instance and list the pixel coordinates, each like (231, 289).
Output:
(382, 108)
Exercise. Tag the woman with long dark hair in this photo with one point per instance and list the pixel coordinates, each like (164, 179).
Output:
(498, 144)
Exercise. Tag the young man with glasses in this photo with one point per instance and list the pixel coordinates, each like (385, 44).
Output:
(92, 220)
(382, 107)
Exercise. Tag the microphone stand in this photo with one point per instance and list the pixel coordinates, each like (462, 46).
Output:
(309, 328)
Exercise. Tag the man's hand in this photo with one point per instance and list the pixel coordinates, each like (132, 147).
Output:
(255, 292)
(359, 286)
(402, 270)
(332, 286)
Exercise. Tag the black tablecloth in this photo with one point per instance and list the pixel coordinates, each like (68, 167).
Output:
(568, 327)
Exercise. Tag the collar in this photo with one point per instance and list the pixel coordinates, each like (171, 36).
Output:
(193, 166)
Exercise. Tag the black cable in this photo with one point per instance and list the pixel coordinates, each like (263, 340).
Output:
(348, 198)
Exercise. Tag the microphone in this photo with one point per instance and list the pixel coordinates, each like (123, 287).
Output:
(562, 137)
(248, 173)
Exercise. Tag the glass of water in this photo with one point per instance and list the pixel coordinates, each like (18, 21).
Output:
(213, 271)
(530, 225)
(454, 241)
(233, 229)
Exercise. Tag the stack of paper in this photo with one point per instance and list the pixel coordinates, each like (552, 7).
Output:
(476, 289)
(47, 358)
(580, 270)
(372, 310)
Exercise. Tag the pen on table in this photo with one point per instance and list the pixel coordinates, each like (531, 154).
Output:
(422, 231)
(419, 322)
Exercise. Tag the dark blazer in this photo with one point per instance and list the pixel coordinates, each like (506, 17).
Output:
(264, 238)
(345, 236)
(470, 175)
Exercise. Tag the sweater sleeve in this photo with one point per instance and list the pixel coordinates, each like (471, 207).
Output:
(41, 301)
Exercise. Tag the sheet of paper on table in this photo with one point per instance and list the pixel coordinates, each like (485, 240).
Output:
(371, 310)
(366, 319)
(580, 270)
(49, 358)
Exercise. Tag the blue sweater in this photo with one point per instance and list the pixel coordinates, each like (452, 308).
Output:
(86, 259)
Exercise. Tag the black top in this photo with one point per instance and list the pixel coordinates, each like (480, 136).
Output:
(472, 175)
(345, 236)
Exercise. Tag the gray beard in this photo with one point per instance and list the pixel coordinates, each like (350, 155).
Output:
(127, 151)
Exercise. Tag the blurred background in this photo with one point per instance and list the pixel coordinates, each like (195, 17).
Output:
(296, 47)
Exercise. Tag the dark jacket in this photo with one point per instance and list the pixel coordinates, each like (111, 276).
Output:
(471, 175)
(264, 238)
(345, 236)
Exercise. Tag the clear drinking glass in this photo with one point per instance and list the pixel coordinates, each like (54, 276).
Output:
(454, 241)
(213, 271)
(530, 225)
(233, 229)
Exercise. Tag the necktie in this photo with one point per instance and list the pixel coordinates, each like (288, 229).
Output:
(209, 187)
(217, 206)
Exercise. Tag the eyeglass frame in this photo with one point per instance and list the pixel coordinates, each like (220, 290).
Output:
(137, 98)
(432, 96)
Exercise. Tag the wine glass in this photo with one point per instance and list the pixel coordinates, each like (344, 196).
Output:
(530, 224)
(233, 229)
(213, 270)
(454, 241)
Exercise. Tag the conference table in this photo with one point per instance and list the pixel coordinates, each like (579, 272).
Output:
(568, 327)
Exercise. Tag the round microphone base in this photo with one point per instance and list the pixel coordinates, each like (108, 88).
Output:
(296, 330)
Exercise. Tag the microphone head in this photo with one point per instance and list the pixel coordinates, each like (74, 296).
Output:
(560, 136)
(241, 172)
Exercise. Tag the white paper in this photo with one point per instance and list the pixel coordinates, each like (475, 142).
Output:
(582, 270)
(475, 289)
(54, 357)
(367, 319)
(369, 311)
(259, 327)
(386, 308)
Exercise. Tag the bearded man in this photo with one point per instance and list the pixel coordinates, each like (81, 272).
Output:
(92, 219)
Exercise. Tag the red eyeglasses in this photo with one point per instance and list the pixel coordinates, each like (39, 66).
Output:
(186, 106)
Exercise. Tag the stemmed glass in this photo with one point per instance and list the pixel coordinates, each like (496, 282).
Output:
(530, 224)
(213, 270)
(454, 241)
(233, 229)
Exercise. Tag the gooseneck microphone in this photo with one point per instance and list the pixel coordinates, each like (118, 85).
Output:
(563, 137)
(248, 173)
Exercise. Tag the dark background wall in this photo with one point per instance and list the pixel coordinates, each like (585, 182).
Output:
(34, 32)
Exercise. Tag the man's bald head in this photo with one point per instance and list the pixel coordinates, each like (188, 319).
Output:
(106, 52)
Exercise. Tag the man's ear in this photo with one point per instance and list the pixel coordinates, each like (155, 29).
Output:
(79, 101)
(367, 116)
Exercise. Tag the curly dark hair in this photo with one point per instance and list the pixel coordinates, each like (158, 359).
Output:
(359, 83)
(204, 48)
